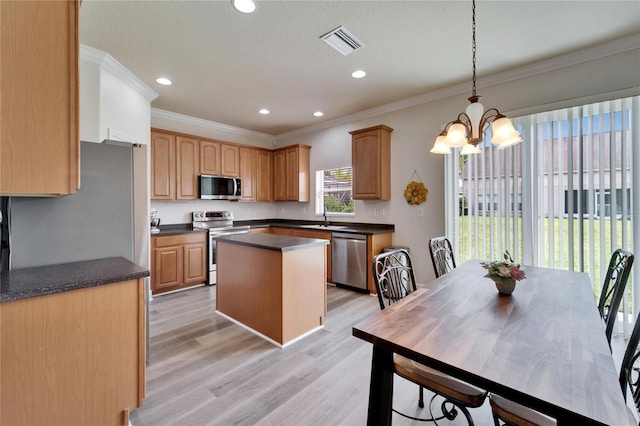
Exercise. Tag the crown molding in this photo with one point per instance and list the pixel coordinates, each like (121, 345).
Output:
(107, 62)
(598, 51)
(194, 121)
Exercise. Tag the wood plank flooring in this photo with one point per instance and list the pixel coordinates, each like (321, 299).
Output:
(205, 370)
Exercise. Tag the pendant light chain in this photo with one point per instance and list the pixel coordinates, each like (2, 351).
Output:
(473, 44)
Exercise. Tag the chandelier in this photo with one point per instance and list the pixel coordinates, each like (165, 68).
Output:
(468, 129)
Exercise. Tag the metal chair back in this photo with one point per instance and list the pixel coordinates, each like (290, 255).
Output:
(630, 375)
(613, 288)
(441, 255)
(393, 276)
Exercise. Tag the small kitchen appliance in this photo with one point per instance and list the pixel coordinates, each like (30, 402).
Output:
(219, 224)
(155, 221)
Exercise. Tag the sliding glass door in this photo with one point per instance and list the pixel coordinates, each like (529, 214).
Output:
(564, 198)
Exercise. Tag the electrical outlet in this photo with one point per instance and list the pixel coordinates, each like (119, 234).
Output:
(382, 212)
(420, 212)
(371, 212)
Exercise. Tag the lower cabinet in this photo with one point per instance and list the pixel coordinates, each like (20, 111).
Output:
(74, 358)
(178, 261)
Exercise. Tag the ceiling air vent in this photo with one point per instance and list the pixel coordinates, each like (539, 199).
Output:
(342, 40)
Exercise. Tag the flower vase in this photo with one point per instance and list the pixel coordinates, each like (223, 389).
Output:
(506, 286)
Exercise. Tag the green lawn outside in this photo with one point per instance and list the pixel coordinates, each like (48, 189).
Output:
(601, 235)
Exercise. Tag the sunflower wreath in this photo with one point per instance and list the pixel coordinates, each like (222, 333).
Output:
(415, 193)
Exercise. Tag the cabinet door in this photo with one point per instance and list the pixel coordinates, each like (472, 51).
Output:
(279, 176)
(292, 174)
(187, 167)
(195, 263)
(264, 176)
(163, 165)
(280, 231)
(39, 79)
(229, 160)
(168, 268)
(322, 235)
(210, 158)
(248, 160)
(371, 160)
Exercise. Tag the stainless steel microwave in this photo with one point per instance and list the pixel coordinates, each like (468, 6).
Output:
(219, 188)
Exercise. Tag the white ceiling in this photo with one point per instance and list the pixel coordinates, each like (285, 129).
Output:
(226, 65)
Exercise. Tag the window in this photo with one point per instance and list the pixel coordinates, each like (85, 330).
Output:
(333, 192)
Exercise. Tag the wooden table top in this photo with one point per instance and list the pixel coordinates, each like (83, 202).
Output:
(543, 346)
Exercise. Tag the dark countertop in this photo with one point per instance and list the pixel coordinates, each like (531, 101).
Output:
(348, 227)
(36, 281)
(180, 228)
(281, 243)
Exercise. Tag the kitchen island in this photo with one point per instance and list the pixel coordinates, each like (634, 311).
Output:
(273, 285)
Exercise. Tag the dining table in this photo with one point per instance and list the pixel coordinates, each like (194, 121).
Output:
(543, 346)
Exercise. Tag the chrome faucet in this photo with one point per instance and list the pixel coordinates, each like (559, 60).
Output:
(325, 218)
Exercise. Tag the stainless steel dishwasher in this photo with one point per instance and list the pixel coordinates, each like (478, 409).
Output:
(349, 259)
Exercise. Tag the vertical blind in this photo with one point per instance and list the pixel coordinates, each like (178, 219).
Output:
(563, 198)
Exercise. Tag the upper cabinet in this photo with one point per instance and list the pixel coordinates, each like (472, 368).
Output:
(219, 159)
(187, 166)
(114, 104)
(371, 158)
(264, 175)
(39, 144)
(248, 160)
(291, 173)
(163, 166)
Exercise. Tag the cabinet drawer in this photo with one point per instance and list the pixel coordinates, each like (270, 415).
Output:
(179, 239)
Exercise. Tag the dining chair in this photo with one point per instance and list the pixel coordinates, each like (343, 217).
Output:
(394, 279)
(630, 374)
(441, 255)
(613, 288)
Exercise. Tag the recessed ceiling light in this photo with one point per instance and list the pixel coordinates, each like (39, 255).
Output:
(318, 114)
(164, 81)
(358, 74)
(244, 6)
(264, 111)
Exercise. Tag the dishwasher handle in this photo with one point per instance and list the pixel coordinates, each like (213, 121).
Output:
(347, 236)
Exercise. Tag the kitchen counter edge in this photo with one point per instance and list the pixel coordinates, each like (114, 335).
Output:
(25, 283)
(280, 243)
(355, 228)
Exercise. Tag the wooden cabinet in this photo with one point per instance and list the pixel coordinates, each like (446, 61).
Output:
(279, 176)
(280, 230)
(209, 158)
(74, 358)
(229, 160)
(163, 166)
(248, 162)
(178, 261)
(219, 159)
(291, 173)
(175, 165)
(371, 160)
(39, 144)
(187, 168)
(375, 244)
(322, 235)
(264, 175)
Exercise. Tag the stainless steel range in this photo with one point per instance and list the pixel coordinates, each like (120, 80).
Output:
(219, 224)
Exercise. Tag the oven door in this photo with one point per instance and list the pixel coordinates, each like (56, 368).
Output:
(213, 234)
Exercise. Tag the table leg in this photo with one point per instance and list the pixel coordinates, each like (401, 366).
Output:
(381, 387)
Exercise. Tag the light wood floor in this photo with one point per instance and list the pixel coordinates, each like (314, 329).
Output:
(205, 370)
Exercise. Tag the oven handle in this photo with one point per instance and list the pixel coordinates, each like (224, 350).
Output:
(224, 234)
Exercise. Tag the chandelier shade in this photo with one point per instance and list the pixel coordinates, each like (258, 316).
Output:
(467, 131)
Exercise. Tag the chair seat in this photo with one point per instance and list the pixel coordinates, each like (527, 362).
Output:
(517, 414)
(439, 382)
